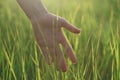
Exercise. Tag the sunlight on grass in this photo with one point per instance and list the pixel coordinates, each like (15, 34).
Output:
(97, 47)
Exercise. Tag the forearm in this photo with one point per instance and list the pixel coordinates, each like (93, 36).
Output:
(32, 8)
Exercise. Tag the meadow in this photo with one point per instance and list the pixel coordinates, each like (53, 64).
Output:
(97, 47)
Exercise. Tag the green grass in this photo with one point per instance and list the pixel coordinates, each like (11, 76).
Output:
(97, 47)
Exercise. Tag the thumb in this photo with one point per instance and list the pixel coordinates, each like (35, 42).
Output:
(69, 26)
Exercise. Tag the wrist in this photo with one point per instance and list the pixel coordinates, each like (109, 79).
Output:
(37, 14)
(32, 8)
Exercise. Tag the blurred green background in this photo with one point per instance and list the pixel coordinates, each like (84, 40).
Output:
(97, 47)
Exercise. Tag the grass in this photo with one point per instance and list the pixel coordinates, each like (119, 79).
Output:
(97, 48)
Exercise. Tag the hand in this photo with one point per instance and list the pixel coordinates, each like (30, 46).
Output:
(48, 32)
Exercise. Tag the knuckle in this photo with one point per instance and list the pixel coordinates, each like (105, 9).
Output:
(63, 19)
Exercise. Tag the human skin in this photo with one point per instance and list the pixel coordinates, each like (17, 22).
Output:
(48, 32)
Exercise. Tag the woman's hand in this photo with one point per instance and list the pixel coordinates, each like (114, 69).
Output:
(49, 35)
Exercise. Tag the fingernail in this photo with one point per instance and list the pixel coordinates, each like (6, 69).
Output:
(64, 69)
(63, 66)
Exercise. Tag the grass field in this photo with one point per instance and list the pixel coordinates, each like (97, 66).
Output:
(97, 47)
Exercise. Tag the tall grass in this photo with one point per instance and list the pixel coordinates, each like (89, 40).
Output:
(97, 47)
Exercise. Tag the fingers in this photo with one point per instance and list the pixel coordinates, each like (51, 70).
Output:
(69, 26)
(60, 60)
(58, 57)
(46, 55)
(69, 50)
